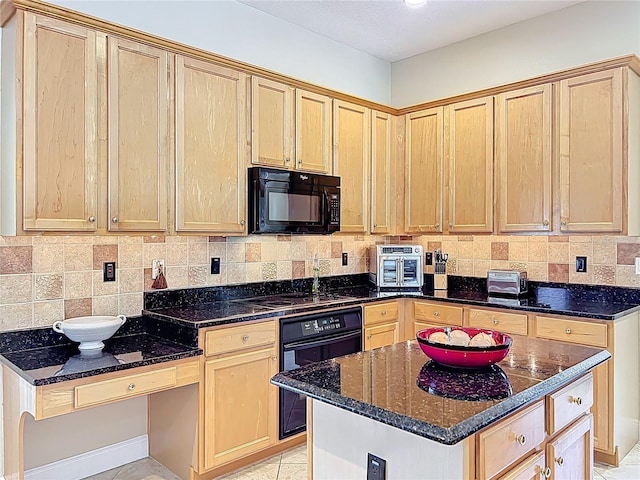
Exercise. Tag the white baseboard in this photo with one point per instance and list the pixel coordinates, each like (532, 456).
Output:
(93, 462)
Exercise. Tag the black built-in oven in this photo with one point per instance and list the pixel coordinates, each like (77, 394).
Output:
(308, 339)
(283, 201)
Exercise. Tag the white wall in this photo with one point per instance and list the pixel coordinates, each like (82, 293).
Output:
(580, 34)
(235, 30)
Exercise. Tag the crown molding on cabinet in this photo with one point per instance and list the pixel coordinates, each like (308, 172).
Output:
(8, 9)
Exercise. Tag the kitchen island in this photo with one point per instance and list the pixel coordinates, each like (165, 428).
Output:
(395, 403)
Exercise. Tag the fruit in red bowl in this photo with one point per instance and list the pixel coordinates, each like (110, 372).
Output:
(451, 350)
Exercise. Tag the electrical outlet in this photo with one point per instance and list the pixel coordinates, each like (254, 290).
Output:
(157, 265)
(345, 259)
(637, 265)
(215, 265)
(581, 264)
(376, 468)
(428, 258)
(109, 272)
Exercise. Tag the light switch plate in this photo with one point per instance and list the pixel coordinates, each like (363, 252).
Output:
(637, 265)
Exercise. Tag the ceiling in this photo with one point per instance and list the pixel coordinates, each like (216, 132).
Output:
(391, 30)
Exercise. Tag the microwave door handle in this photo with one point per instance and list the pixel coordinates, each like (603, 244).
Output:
(400, 272)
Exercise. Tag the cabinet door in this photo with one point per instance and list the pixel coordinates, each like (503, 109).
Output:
(351, 158)
(381, 335)
(523, 160)
(570, 455)
(531, 469)
(240, 406)
(591, 153)
(469, 159)
(271, 123)
(138, 105)
(313, 132)
(60, 101)
(381, 127)
(423, 171)
(211, 153)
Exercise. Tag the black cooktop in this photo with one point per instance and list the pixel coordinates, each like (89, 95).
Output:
(292, 299)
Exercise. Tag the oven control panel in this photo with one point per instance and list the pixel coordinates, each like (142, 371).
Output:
(320, 325)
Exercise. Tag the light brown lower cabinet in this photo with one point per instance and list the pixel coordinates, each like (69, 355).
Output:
(240, 405)
(381, 324)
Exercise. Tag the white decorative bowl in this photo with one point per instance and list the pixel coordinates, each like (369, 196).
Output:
(90, 331)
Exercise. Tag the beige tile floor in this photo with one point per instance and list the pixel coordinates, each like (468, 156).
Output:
(292, 465)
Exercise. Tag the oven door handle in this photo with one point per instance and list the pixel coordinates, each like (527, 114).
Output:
(319, 343)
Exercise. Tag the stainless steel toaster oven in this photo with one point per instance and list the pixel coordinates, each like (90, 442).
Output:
(396, 266)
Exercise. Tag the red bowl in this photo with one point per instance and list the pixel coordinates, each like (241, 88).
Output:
(464, 357)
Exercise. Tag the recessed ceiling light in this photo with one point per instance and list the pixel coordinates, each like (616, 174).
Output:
(415, 3)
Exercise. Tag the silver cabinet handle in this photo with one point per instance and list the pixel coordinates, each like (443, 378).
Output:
(567, 331)
(245, 338)
(563, 223)
(92, 219)
(131, 386)
(242, 222)
(546, 473)
(560, 461)
(451, 225)
(274, 358)
(437, 225)
(576, 400)
(521, 439)
(545, 223)
(495, 321)
(114, 219)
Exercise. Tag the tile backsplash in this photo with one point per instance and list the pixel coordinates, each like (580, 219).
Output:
(48, 278)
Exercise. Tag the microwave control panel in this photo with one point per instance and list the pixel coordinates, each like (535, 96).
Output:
(334, 209)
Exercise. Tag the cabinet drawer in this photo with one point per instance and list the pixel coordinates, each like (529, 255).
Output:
(380, 312)
(527, 470)
(510, 440)
(238, 338)
(124, 387)
(438, 313)
(515, 323)
(573, 331)
(569, 403)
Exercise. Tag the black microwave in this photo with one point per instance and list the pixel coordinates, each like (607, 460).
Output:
(284, 201)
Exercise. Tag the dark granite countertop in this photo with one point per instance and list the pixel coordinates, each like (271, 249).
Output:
(42, 356)
(400, 386)
(211, 306)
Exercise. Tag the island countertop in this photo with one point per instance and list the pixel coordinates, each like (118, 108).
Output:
(400, 386)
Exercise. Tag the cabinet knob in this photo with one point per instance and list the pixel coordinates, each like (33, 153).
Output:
(287, 159)
(576, 400)
(567, 331)
(299, 161)
(451, 225)
(375, 225)
(560, 461)
(242, 222)
(245, 338)
(131, 386)
(384, 312)
(521, 439)
(114, 219)
(495, 321)
(436, 314)
(563, 223)
(274, 358)
(368, 337)
(92, 219)
(545, 223)
(546, 473)
(437, 225)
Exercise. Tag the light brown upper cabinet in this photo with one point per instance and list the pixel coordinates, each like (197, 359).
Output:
(211, 147)
(271, 123)
(591, 153)
(138, 112)
(469, 162)
(60, 115)
(423, 171)
(523, 160)
(313, 132)
(351, 158)
(381, 142)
